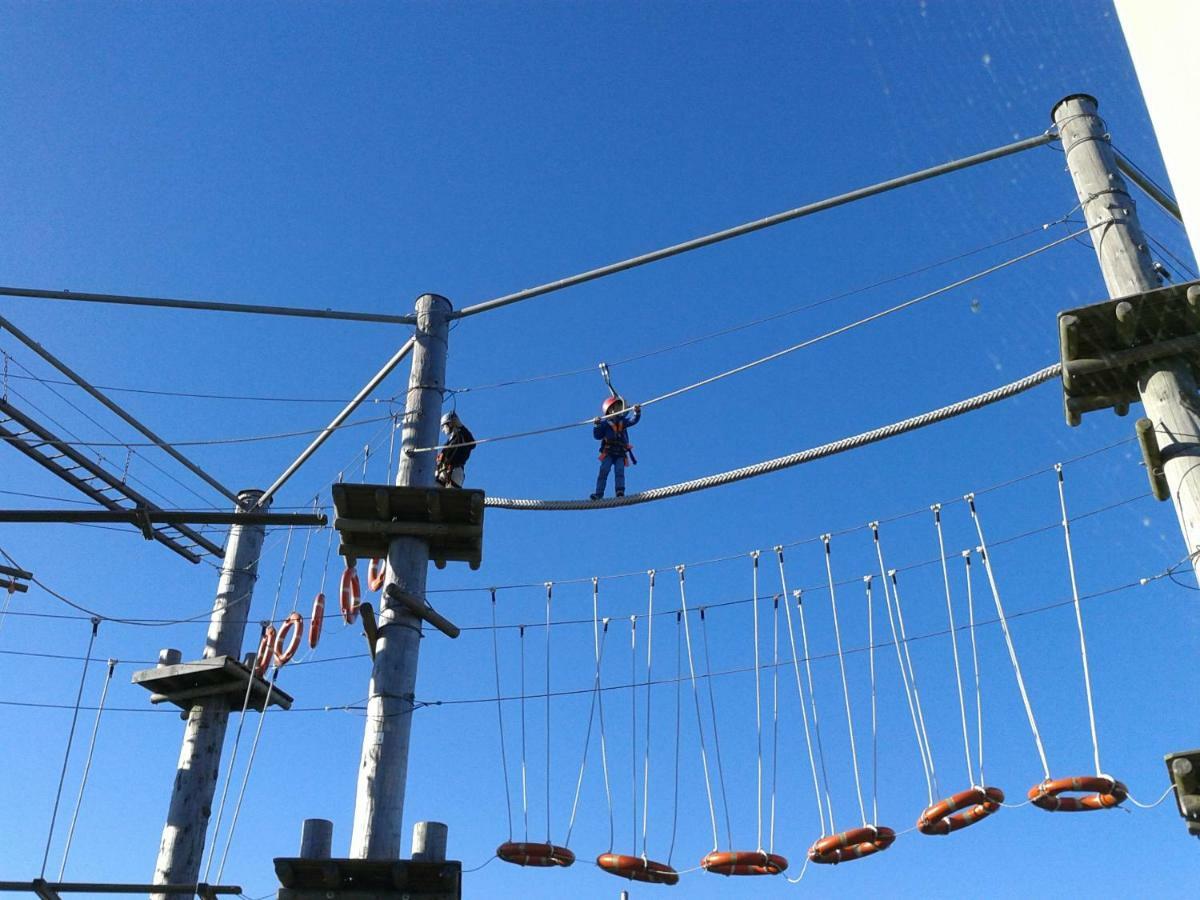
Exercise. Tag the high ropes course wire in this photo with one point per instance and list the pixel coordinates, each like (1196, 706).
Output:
(793, 459)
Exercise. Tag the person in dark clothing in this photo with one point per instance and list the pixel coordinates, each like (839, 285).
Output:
(452, 458)
(615, 448)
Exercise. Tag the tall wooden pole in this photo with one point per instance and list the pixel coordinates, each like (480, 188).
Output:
(1167, 387)
(379, 803)
(182, 846)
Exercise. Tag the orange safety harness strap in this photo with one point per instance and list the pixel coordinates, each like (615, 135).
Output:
(944, 817)
(1105, 793)
(636, 868)
(744, 862)
(522, 853)
(856, 843)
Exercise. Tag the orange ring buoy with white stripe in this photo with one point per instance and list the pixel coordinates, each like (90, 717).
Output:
(351, 595)
(265, 645)
(744, 862)
(943, 817)
(293, 627)
(377, 574)
(542, 855)
(317, 620)
(857, 843)
(635, 868)
(1106, 792)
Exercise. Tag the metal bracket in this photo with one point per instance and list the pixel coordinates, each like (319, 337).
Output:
(422, 610)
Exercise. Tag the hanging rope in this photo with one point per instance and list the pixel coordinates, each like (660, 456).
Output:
(600, 709)
(687, 633)
(549, 596)
(774, 713)
(678, 730)
(1087, 678)
(500, 717)
(599, 638)
(757, 696)
(874, 718)
(936, 509)
(62, 777)
(1012, 652)
(87, 768)
(649, 681)
(712, 705)
(912, 673)
(966, 555)
(837, 634)
(524, 775)
(633, 722)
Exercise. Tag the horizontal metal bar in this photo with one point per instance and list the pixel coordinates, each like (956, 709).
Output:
(16, 573)
(162, 517)
(759, 224)
(1152, 190)
(209, 305)
(89, 887)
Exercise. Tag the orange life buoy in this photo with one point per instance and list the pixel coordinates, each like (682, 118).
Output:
(525, 854)
(636, 868)
(351, 595)
(744, 862)
(293, 627)
(377, 574)
(943, 817)
(1105, 791)
(265, 645)
(856, 843)
(317, 620)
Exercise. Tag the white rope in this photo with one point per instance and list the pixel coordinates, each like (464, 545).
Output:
(912, 710)
(678, 730)
(757, 694)
(874, 719)
(687, 632)
(596, 621)
(633, 724)
(87, 768)
(524, 774)
(837, 634)
(793, 459)
(962, 703)
(549, 596)
(1087, 678)
(774, 711)
(712, 705)
(1157, 802)
(500, 716)
(966, 555)
(912, 674)
(1012, 651)
(649, 680)
(587, 740)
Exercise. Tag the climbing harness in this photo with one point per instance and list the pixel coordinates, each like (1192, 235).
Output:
(292, 628)
(350, 594)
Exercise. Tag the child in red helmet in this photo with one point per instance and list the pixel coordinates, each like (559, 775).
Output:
(614, 444)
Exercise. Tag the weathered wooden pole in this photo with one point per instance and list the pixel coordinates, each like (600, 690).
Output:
(379, 802)
(1167, 386)
(182, 846)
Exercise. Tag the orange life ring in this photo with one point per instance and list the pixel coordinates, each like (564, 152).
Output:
(293, 627)
(943, 817)
(856, 843)
(1106, 792)
(377, 574)
(265, 645)
(636, 868)
(744, 862)
(542, 855)
(317, 620)
(351, 595)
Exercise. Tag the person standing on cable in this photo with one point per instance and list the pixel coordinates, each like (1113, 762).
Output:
(452, 458)
(615, 449)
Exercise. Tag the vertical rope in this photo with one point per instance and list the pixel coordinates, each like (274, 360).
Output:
(500, 716)
(1012, 651)
(598, 642)
(774, 712)
(936, 509)
(812, 760)
(966, 555)
(8, 595)
(549, 594)
(62, 777)
(757, 698)
(524, 775)
(687, 632)
(912, 673)
(587, 740)
(87, 768)
(646, 766)
(837, 634)
(1087, 678)
(633, 768)
(874, 717)
(712, 704)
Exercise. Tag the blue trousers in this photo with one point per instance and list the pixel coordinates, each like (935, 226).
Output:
(611, 462)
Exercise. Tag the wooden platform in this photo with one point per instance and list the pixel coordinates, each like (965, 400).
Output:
(369, 516)
(184, 683)
(1103, 354)
(358, 879)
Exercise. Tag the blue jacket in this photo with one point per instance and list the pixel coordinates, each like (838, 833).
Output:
(611, 434)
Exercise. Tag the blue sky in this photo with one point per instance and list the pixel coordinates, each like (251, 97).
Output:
(358, 155)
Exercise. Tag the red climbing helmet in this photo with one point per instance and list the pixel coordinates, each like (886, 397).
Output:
(609, 403)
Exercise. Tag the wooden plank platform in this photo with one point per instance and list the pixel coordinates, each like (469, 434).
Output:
(184, 683)
(344, 878)
(1103, 354)
(370, 515)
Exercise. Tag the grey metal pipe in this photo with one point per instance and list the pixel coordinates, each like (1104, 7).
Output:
(1152, 190)
(759, 224)
(163, 517)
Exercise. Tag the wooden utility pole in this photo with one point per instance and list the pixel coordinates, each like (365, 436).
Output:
(1166, 385)
(182, 846)
(379, 802)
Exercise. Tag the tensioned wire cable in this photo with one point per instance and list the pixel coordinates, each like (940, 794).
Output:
(598, 640)
(649, 678)
(912, 674)
(500, 717)
(936, 509)
(687, 632)
(966, 556)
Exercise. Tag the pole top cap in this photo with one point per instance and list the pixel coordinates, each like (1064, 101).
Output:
(1068, 98)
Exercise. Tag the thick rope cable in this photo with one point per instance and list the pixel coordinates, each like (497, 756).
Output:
(793, 459)
(774, 713)
(936, 509)
(912, 674)
(500, 718)
(966, 555)
(874, 717)
(62, 777)
(678, 730)
(524, 774)
(1087, 678)
(587, 740)
(757, 697)
(87, 768)
(1012, 651)
(549, 596)
(649, 681)
(1157, 802)
(837, 636)
(896, 643)
(808, 738)
(712, 705)
(687, 633)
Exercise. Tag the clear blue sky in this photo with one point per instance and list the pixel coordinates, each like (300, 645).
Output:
(358, 155)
